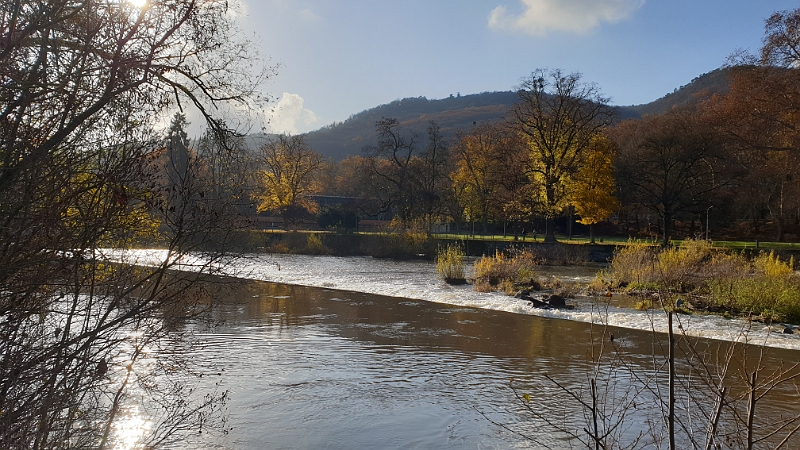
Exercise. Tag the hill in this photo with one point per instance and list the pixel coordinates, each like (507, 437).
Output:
(338, 140)
(702, 87)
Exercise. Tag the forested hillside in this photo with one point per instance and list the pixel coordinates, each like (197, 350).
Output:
(454, 113)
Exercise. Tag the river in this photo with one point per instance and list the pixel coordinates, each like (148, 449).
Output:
(341, 353)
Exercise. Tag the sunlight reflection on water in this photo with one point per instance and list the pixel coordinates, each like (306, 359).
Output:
(131, 429)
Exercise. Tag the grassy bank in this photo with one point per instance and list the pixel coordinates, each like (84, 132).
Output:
(415, 245)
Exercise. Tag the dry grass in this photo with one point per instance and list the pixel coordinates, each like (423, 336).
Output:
(450, 262)
(765, 287)
(642, 266)
(504, 271)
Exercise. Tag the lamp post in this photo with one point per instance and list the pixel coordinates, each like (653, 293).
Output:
(707, 211)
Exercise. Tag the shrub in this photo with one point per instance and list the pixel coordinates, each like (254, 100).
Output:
(770, 290)
(315, 246)
(643, 305)
(772, 266)
(674, 268)
(726, 265)
(678, 266)
(632, 263)
(598, 283)
(450, 263)
(500, 269)
(766, 287)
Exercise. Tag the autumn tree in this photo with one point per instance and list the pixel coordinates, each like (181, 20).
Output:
(782, 39)
(670, 164)
(760, 119)
(517, 195)
(477, 172)
(559, 115)
(85, 84)
(593, 187)
(489, 179)
(288, 178)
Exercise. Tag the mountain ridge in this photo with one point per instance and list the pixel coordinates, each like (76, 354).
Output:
(339, 140)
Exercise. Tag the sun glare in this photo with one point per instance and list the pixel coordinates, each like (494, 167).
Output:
(138, 3)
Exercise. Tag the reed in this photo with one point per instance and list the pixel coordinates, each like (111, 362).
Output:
(450, 263)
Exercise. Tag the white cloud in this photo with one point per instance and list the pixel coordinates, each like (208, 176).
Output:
(540, 17)
(309, 16)
(289, 115)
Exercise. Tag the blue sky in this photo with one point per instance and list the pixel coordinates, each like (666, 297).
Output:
(340, 57)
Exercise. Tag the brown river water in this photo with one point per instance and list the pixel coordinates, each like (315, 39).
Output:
(310, 363)
(311, 368)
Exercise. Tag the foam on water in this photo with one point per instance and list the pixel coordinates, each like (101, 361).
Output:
(418, 280)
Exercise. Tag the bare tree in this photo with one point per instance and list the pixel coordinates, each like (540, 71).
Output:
(83, 84)
(670, 164)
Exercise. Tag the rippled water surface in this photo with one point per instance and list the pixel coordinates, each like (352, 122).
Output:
(347, 353)
(317, 368)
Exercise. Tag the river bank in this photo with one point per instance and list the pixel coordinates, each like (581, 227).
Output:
(420, 246)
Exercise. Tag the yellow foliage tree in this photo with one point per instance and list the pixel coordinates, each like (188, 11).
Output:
(593, 186)
(288, 178)
(558, 115)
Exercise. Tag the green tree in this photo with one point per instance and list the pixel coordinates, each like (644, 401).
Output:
(559, 115)
(177, 146)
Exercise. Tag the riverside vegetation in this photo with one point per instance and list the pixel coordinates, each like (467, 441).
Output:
(450, 264)
(696, 276)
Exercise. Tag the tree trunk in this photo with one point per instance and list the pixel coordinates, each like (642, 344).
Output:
(550, 233)
(591, 233)
(779, 227)
(570, 220)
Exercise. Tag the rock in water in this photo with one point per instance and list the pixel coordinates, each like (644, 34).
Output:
(557, 301)
(538, 303)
